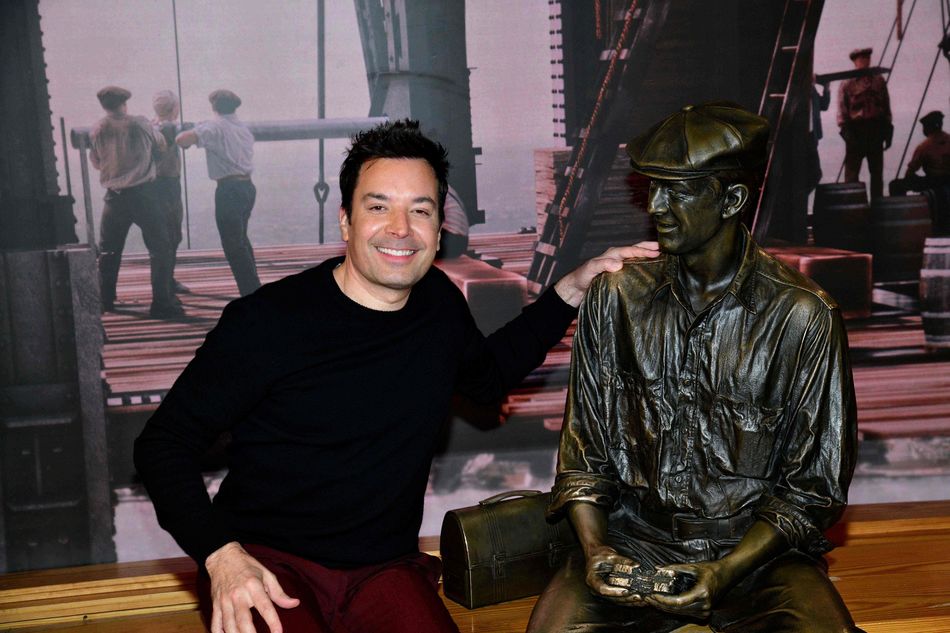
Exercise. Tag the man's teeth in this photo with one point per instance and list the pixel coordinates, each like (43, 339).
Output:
(395, 251)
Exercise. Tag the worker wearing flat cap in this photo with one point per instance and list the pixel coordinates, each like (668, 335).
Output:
(864, 121)
(709, 435)
(229, 149)
(122, 148)
(933, 156)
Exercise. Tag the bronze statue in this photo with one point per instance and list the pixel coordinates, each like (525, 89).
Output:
(710, 431)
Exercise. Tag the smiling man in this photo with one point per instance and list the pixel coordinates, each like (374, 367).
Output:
(710, 428)
(334, 384)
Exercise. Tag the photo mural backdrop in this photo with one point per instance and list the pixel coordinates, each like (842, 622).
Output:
(516, 83)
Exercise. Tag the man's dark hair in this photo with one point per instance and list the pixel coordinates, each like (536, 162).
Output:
(394, 139)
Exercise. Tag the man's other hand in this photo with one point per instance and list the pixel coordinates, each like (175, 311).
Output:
(572, 286)
(238, 584)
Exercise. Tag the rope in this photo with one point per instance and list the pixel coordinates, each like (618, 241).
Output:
(181, 122)
(920, 104)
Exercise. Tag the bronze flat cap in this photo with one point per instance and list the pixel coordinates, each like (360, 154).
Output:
(934, 117)
(860, 52)
(112, 97)
(700, 141)
(224, 101)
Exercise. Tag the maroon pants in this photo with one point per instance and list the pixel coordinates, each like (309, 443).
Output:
(400, 596)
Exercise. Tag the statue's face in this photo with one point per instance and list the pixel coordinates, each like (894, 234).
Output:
(687, 213)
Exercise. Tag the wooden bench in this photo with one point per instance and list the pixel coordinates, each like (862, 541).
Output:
(892, 567)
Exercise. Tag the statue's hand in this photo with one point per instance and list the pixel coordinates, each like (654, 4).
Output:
(599, 563)
(713, 580)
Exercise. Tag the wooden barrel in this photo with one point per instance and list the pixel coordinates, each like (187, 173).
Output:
(899, 226)
(935, 291)
(841, 217)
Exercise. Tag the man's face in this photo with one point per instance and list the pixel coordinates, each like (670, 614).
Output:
(687, 213)
(862, 61)
(393, 232)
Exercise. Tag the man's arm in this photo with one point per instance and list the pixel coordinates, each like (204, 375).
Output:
(186, 138)
(496, 364)
(218, 387)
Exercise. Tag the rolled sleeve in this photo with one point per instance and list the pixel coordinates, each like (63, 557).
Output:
(571, 487)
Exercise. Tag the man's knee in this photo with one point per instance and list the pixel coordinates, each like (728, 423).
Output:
(399, 596)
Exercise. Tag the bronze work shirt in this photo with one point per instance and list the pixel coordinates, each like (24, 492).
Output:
(747, 407)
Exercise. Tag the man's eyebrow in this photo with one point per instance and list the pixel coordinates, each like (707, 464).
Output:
(384, 198)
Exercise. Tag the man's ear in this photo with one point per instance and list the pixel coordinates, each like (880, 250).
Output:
(344, 225)
(734, 200)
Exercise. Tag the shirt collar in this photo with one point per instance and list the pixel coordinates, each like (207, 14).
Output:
(743, 284)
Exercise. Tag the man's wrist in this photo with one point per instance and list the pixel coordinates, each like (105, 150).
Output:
(568, 293)
(222, 552)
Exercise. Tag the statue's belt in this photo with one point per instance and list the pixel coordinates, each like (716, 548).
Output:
(687, 526)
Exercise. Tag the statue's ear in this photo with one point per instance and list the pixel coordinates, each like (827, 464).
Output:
(734, 200)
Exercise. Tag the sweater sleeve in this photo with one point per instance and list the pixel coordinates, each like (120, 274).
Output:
(494, 365)
(227, 376)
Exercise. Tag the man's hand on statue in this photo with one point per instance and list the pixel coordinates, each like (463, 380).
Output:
(599, 562)
(712, 582)
(572, 286)
(238, 584)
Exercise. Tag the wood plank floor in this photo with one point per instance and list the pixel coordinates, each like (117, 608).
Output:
(892, 568)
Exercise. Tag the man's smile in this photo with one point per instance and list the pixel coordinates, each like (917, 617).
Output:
(396, 252)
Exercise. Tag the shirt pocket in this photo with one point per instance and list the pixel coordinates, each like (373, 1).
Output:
(742, 436)
(635, 413)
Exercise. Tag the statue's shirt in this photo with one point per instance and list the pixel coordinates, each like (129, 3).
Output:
(747, 406)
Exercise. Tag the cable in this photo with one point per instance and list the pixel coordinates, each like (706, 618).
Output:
(181, 123)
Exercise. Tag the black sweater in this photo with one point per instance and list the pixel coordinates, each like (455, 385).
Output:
(333, 409)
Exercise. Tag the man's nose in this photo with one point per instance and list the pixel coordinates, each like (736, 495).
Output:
(399, 223)
(657, 203)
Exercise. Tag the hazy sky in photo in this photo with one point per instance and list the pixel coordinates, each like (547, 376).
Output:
(266, 52)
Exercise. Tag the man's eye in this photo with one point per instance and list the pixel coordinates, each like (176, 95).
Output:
(377, 207)
(425, 212)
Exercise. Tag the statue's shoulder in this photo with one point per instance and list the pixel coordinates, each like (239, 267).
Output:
(639, 276)
(777, 277)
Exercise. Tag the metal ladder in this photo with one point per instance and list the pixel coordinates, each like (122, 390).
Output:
(559, 219)
(799, 19)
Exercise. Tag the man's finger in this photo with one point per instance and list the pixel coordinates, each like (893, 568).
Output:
(268, 613)
(216, 624)
(245, 623)
(277, 593)
(228, 622)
